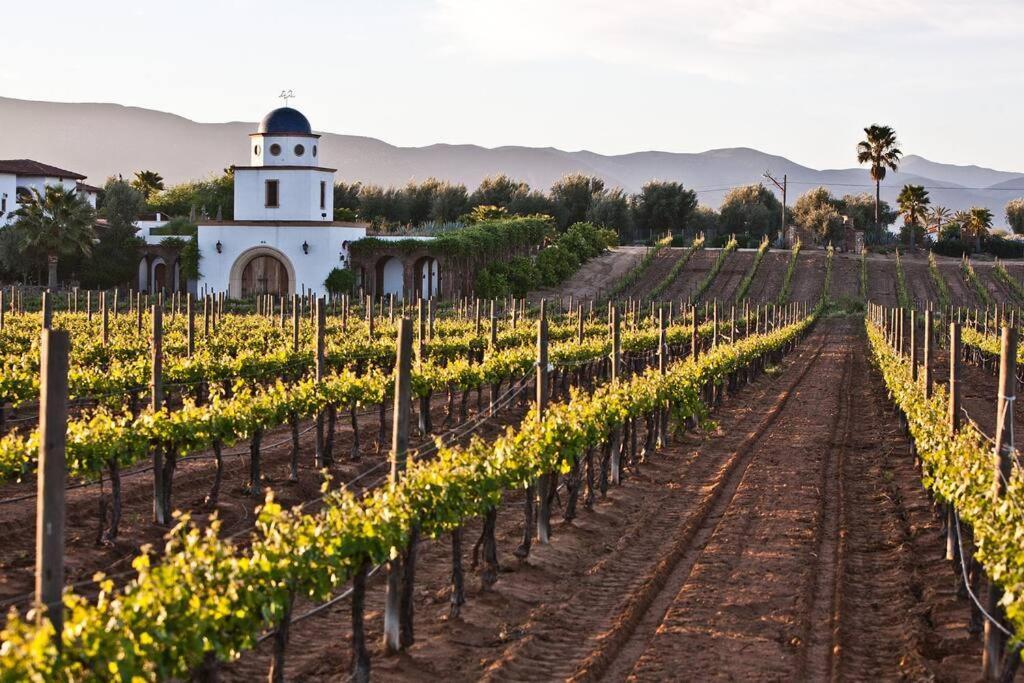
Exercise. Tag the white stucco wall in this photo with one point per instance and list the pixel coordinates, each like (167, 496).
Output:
(394, 282)
(8, 183)
(311, 269)
(259, 150)
(298, 194)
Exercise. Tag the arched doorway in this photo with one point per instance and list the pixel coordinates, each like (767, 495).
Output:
(261, 270)
(390, 276)
(428, 277)
(159, 276)
(264, 274)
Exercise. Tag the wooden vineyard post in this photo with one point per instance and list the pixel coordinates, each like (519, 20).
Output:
(138, 314)
(295, 323)
(493, 340)
(104, 319)
(323, 459)
(913, 344)
(156, 391)
(399, 459)
(580, 326)
(369, 316)
(714, 325)
(544, 485)
(1, 309)
(694, 336)
(52, 474)
(47, 311)
(616, 456)
(190, 336)
(476, 317)
(995, 638)
(929, 353)
(662, 369)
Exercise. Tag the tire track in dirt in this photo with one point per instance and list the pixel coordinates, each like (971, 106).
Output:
(809, 276)
(768, 280)
(660, 267)
(882, 280)
(738, 608)
(576, 638)
(692, 274)
(960, 292)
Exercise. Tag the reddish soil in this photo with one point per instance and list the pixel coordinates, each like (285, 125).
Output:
(791, 544)
(692, 274)
(655, 272)
(809, 276)
(768, 281)
(882, 280)
(845, 277)
(920, 285)
(595, 276)
(728, 280)
(961, 292)
(998, 290)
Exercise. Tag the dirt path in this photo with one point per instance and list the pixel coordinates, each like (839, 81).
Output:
(731, 275)
(1000, 291)
(595, 276)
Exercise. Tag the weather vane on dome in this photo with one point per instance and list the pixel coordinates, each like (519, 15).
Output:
(286, 95)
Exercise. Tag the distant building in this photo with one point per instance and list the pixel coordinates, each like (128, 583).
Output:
(283, 238)
(18, 177)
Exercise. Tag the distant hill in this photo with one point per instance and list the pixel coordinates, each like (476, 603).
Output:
(101, 140)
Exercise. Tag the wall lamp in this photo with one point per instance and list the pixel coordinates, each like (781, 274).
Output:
(220, 247)
(305, 247)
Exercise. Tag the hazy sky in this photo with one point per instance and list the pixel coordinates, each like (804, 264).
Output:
(793, 77)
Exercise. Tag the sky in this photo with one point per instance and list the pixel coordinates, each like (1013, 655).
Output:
(799, 78)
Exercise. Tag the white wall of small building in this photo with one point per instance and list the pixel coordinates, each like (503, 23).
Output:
(8, 187)
(311, 269)
(298, 194)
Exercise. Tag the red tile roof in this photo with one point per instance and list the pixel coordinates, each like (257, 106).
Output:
(28, 167)
(84, 187)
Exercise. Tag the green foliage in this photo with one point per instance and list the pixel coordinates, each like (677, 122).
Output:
(818, 212)
(1011, 282)
(340, 281)
(663, 206)
(1015, 215)
(179, 226)
(188, 254)
(201, 197)
(860, 209)
(211, 596)
(703, 221)
(573, 196)
(55, 223)
(487, 212)
(750, 210)
(612, 210)
(958, 469)
(913, 201)
(148, 183)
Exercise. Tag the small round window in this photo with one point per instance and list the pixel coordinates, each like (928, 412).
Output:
(256, 150)
(314, 150)
(299, 150)
(275, 149)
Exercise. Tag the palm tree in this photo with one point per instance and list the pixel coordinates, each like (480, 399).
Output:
(56, 222)
(961, 218)
(913, 201)
(979, 221)
(879, 149)
(148, 183)
(939, 216)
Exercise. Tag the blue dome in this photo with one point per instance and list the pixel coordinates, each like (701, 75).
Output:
(285, 120)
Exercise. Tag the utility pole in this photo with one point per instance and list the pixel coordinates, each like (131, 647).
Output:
(782, 186)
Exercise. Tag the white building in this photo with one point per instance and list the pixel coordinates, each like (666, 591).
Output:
(18, 177)
(283, 238)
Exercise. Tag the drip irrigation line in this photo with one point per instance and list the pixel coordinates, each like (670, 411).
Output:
(967, 584)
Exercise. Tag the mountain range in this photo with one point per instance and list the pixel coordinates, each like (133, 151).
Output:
(102, 140)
